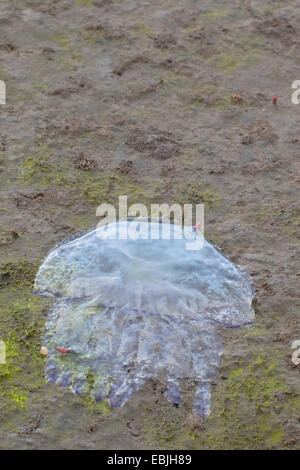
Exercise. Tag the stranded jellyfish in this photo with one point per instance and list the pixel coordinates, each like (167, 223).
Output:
(128, 310)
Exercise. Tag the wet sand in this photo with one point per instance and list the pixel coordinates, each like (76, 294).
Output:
(164, 102)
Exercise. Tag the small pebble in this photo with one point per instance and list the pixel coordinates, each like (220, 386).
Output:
(44, 351)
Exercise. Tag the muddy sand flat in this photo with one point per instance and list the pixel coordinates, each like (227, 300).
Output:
(164, 102)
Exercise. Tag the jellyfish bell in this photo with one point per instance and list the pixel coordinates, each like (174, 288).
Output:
(132, 308)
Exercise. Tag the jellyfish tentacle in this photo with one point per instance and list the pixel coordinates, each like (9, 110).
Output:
(202, 396)
(173, 391)
(128, 327)
(119, 395)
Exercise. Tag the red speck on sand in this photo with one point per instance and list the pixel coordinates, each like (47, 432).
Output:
(62, 350)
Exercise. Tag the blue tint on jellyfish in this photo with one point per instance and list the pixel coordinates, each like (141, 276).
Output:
(131, 310)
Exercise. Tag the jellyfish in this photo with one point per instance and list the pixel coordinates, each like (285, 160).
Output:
(133, 308)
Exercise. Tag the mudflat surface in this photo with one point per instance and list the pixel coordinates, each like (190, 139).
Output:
(164, 102)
